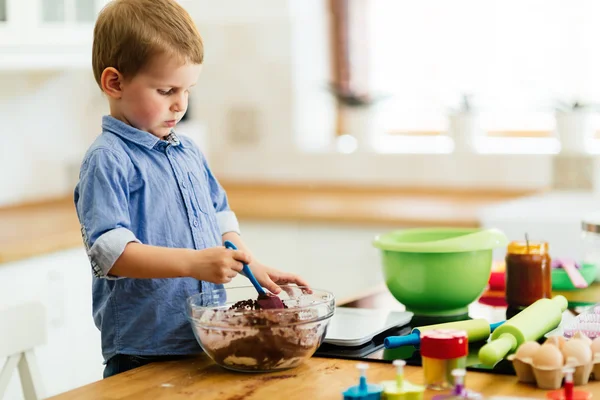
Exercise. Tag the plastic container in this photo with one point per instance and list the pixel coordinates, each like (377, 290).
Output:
(528, 273)
(442, 351)
(561, 280)
(260, 340)
(590, 235)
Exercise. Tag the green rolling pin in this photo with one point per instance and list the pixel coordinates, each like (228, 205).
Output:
(530, 324)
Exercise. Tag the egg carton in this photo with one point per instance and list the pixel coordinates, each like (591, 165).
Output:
(544, 364)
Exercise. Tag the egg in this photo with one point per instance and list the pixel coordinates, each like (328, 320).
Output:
(577, 349)
(527, 350)
(596, 345)
(557, 341)
(548, 357)
(582, 336)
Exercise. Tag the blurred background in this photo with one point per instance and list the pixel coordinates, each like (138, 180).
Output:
(327, 121)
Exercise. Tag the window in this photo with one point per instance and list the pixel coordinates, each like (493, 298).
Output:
(516, 60)
(68, 10)
(53, 11)
(85, 10)
(2, 10)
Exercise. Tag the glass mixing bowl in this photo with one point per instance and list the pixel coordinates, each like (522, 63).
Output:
(239, 337)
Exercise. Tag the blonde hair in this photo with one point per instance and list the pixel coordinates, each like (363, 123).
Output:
(128, 33)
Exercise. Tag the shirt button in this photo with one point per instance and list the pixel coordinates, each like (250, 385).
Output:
(196, 223)
(183, 184)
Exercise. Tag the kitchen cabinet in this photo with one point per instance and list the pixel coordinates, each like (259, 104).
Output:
(335, 257)
(61, 281)
(47, 34)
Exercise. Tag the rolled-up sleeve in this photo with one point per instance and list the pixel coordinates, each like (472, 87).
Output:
(101, 200)
(226, 218)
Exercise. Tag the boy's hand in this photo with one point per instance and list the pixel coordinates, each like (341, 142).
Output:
(218, 264)
(271, 278)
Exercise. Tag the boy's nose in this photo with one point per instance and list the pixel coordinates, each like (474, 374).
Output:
(179, 105)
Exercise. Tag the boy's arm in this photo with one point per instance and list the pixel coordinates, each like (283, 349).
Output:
(102, 204)
(217, 264)
(143, 261)
(236, 239)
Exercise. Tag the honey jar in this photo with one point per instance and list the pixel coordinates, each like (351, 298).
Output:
(528, 273)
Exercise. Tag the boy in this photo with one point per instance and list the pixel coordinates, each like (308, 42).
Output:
(153, 217)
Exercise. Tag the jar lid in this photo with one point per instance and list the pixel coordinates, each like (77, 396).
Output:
(444, 343)
(527, 248)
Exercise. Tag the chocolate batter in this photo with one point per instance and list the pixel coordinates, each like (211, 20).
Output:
(267, 340)
(249, 304)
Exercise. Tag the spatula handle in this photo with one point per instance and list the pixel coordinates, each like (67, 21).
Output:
(392, 342)
(247, 272)
(574, 275)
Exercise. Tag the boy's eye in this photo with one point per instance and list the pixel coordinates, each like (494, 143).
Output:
(165, 92)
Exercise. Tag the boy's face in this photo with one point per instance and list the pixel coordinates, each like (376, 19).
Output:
(157, 97)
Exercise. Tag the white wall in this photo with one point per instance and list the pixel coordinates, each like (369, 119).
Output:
(261, 97)
(266, 62)
(48, 119)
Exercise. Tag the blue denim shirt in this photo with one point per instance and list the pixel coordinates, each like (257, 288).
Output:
(135, 187)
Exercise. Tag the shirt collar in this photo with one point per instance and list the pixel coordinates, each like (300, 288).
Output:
(135, 135)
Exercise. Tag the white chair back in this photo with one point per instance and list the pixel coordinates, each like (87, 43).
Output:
(22, 328)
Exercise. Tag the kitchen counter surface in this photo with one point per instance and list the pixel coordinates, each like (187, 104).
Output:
(366, 206)
(35, 229)
(317, 378)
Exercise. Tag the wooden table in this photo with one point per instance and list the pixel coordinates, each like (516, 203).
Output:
(317, 378)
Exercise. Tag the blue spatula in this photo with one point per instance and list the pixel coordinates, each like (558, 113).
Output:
(264, 300)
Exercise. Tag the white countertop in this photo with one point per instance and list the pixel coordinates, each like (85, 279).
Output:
(554, 217)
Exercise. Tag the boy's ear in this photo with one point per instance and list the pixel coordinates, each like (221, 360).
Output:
(111, 81)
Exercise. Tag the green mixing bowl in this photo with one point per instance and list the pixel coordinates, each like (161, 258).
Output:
(438, 271)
